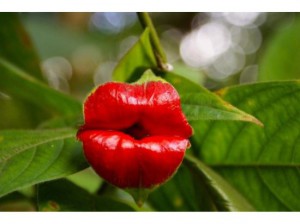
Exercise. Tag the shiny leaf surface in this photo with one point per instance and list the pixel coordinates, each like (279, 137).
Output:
(30, 157)
(261, 163)
(215, 191)
(199, 103)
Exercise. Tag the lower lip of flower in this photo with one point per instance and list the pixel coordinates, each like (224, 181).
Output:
(130, 163)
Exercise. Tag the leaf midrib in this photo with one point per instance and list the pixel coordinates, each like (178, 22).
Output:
(239, 115)
(216, 107)
(24, 148)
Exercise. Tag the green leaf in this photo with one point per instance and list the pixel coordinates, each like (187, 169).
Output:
(87, 179)
(73, 121)
(207, 106)
(182, 84)
(223, 197)
(195, 75)
(62, 195)
(280, 60)
(177, 194)
(195, 187)
(16, 46)
(261, 163)
(138, 59)
(200, 104)
(149, 76)
(30, 157)
(15, 114)
(16, 82)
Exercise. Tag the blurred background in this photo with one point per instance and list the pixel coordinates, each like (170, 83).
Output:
(80, 50)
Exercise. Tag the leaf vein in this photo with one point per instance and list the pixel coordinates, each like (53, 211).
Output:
(271, 191)
(19, 150)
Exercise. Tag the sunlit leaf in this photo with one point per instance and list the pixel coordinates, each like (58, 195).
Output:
(87, 179)
(193, 74)
(280, 60)
(200, 104)
(182, 84)
(30, 157)
(138, 59)
(261, 163)
(63, 195)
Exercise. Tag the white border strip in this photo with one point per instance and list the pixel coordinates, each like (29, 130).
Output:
(150, 5)
(151, 217)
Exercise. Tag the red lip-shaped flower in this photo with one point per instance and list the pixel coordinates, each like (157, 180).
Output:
(135, 135)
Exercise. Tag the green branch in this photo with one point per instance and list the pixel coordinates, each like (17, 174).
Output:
(160, 55)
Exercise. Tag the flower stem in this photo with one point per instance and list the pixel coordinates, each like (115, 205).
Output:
(159, 53)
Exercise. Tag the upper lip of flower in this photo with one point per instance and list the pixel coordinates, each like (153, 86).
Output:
(139, 110)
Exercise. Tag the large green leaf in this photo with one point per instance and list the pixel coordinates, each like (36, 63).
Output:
(199, 103)
(215, 191)
(182, 84)
(262, 163)
(196, 187)
(139, 58)
(280, 60)
(18, 83)
(30, 157)
(63, 195)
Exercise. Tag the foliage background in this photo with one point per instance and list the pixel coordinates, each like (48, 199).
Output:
(80, 50)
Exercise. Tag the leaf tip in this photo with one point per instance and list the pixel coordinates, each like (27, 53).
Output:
(149, 76)
(253, 120)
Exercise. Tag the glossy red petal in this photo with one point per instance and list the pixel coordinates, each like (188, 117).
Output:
(112, 106)
(162, 113)
(130, 163)
(154, 106)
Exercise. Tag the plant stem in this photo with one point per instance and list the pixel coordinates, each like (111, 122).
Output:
(159, 53)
